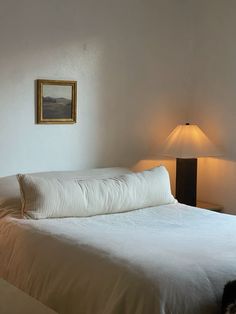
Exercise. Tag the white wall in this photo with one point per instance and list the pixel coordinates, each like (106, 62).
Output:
(212, 96)
(213, 104)
(131, 61)
(142, 67)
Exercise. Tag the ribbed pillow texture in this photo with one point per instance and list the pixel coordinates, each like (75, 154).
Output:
(55, 198)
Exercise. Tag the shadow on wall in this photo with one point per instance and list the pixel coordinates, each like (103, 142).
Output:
(216, 179)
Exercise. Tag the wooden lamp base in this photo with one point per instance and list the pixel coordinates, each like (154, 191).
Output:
(186, 180)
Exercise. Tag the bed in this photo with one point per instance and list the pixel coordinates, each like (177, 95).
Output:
(168, 259)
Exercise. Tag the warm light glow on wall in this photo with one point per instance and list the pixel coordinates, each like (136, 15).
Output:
(216, 182)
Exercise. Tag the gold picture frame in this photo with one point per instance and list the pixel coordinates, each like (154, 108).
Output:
(56, 102)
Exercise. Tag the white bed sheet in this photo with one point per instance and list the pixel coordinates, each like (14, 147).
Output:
(171, 259)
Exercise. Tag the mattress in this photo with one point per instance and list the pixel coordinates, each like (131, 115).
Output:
(171, 259)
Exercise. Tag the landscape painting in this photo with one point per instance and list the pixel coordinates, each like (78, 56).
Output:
(56, 101)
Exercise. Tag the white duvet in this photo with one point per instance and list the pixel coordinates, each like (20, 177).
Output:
(171, 259)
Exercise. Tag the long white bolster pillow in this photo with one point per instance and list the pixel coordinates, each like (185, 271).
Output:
(47, 198)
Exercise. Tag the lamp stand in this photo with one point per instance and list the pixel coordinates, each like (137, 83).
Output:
(186, 180)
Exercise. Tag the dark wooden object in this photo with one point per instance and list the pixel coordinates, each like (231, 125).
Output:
(186, 180)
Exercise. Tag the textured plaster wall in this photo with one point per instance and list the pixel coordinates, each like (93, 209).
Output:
(213, 104)
(131, 61)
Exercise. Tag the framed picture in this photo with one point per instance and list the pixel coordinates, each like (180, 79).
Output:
(56, 101)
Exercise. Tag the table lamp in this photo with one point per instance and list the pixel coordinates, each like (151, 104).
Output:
(186, 143)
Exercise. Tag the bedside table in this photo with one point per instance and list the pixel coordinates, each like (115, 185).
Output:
(210, 206)
(15, 301)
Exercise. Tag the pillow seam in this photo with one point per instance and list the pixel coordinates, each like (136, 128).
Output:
(19, 177)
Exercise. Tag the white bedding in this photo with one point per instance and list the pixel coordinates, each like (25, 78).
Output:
(171, 259)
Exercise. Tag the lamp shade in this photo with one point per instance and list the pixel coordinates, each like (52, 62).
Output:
(189, 141)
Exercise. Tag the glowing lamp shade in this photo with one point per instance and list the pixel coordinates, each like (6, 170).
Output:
(186, 143)
(189, 141)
